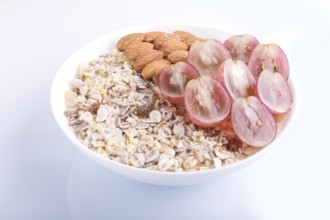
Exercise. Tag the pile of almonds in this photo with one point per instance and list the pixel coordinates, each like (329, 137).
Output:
(153, 51)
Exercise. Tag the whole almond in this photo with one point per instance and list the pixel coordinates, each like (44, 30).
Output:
(186, 37)
(154, 68)
(178, 55)
(129, 39)
(151, 36)
(159, 41)
(172, 45)
(147, 57)
(192, 40)
(134, 49)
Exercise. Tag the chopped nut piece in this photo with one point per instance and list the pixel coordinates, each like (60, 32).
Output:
(233, 144)
(94, 107)
(143, 110)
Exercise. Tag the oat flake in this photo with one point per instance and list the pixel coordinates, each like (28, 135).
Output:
(116, 113)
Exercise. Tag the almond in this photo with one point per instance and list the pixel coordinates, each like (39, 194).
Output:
(183, 35)
(147, 57)
(186, 37)
(192, 40)
(151, 36)
(134, 49)
(129, 39)
(178, 55)
(159, 41)
(154, 68)
(172, 45)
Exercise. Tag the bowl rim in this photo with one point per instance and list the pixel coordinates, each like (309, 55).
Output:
(69, 133)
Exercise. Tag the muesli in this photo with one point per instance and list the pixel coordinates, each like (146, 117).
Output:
(176, 102)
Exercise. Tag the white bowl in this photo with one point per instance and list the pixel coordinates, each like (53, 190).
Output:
(104, 44)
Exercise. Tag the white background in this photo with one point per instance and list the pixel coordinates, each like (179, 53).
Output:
(42, 176)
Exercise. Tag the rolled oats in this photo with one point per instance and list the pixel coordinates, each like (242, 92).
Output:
(152, 155)
(137, 160)
(102, 114)
(114, 112)
(178, 130)
(155, 116)
(124, 125)
(217, 162)
(165, 162)
(189, 163)
(169, 152)
(86, 116)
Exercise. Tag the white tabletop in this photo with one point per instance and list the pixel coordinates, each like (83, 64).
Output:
(42, 176)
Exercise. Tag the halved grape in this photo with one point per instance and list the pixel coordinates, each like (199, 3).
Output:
(236, 77)
(241, 46)
(173, 80)
(271, 57)
(252, 122)
(206, 101)
(274, 91)
(207, 56)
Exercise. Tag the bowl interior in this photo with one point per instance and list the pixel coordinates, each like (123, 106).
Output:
(105, 44)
